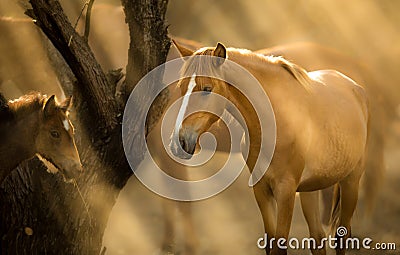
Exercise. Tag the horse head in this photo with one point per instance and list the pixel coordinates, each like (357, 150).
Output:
(199, 92)
(55, 144)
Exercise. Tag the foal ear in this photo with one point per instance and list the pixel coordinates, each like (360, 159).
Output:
(66, 104)
(220, 52)
(183, 51)
(50, 106)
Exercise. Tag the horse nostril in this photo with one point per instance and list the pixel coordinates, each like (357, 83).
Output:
(78, 168)
(192, 149)
(182, 143)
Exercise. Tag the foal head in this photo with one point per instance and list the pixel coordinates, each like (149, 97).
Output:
(55, 144)
(199, 92)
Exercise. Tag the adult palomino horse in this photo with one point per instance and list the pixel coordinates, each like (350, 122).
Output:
(312, 57)
(321, 120)
(35, 124)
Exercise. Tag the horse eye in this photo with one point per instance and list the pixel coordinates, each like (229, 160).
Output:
(207, 90)
(55, 134)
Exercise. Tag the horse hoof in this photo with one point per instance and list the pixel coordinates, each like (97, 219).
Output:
(164, 252)
(167, 250)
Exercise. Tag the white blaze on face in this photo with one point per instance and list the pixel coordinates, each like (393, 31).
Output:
(181, 113)
(66, 125)
(185, 102)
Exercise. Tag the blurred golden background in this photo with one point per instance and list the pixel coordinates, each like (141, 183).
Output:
(367, 31)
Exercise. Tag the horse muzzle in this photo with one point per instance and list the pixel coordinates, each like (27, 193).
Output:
(184, 146)
(71, 170)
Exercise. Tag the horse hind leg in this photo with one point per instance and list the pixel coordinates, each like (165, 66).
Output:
(349, 188)
(327, 197)
(310, 207)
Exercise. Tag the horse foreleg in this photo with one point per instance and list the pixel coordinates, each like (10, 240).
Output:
(310, 207)
(285, 194)
(168, 243)
(266, 203)
(191, 241)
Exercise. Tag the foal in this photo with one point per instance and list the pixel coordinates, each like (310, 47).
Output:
(35, 124)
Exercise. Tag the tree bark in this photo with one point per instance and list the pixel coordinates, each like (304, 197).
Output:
(40, 214)
(93, 85)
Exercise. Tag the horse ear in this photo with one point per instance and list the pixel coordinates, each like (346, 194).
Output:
(183, 51)
(66, 104)
(50, 107)
(220, 52)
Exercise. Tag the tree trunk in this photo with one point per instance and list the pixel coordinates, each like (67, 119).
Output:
(40, 214)
(149, 41)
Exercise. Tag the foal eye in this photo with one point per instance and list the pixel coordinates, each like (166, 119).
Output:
(207, 90)
(55, 134)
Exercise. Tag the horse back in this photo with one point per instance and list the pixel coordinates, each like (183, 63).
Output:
(345, 89)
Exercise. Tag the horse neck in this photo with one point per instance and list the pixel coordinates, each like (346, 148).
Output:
(257, 68)
(250, 122)
(285, 93)
(18, 141)
(272, 76)
(281, 92)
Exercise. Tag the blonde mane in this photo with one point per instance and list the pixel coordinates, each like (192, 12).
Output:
(193, 65)
(299, 73)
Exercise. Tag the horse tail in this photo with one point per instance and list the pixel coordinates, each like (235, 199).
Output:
(381, 113)
(334, 221)
(374, 165)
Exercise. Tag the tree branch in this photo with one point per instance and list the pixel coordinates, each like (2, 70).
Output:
(87, 21)
(93, 85)
(62, 70)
